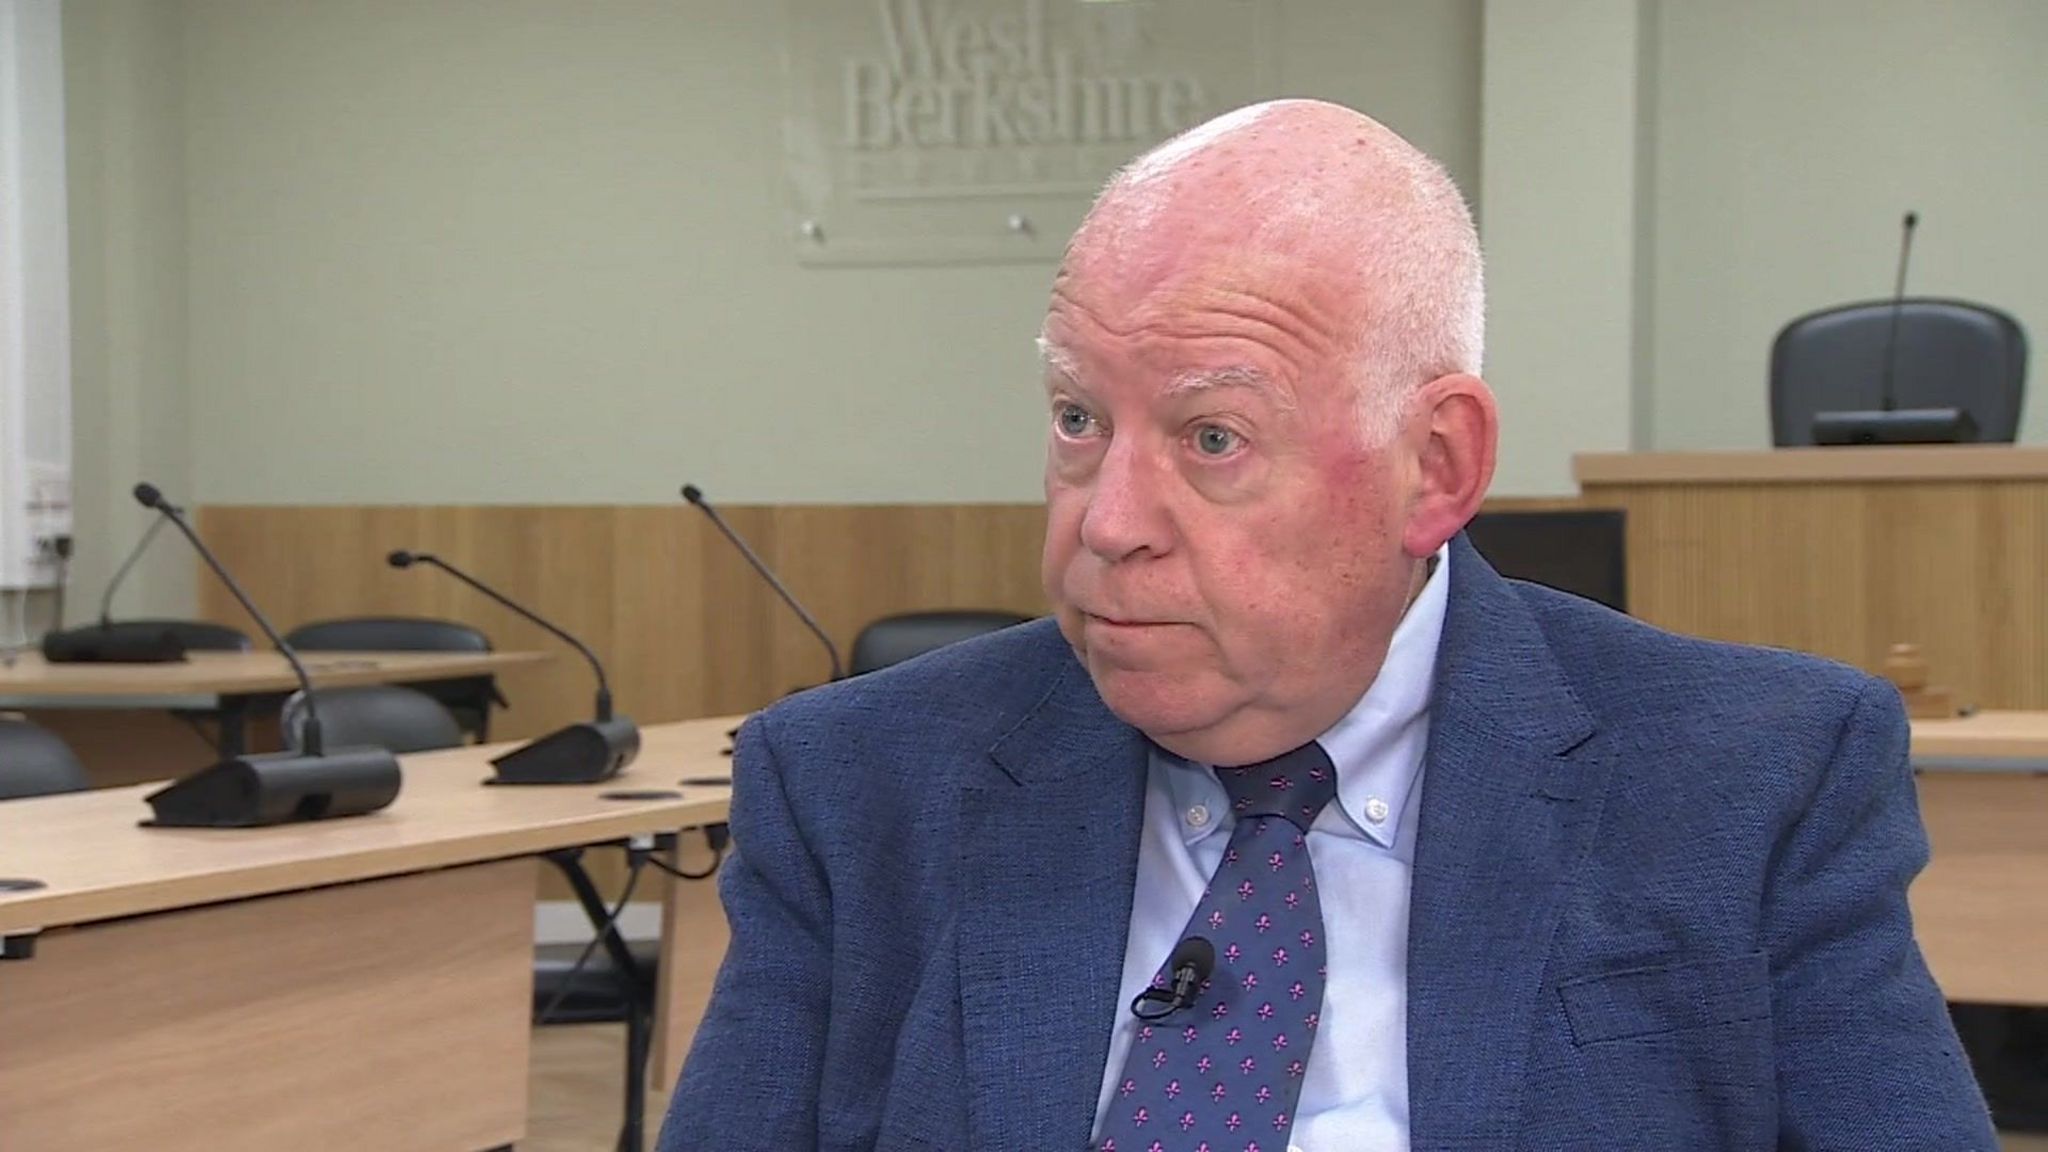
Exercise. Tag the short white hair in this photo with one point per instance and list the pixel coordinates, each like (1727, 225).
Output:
(1427, 309)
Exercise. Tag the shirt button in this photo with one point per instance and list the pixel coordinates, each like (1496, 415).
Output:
(1376, 810)
(1198, 816)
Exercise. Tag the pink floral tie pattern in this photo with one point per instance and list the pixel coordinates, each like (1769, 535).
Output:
(1224, 1073)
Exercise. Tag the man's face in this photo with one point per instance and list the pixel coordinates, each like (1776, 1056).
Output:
(1224, 542)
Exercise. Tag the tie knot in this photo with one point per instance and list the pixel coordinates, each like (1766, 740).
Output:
(1294, 785)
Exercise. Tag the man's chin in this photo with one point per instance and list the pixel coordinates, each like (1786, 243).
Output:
(1159, 703)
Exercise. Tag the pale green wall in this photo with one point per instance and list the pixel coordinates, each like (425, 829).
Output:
(1667, 184)
(1790, 137)
(123, 65)
(414, 227)
(1559, 180)
(354, 251)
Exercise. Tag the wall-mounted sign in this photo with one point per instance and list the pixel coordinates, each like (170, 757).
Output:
(924, 131)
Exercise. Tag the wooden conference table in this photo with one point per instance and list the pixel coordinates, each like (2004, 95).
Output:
(1984, 742)
(129, 723)
(1981, 907)
(366, 982)
(363, 982)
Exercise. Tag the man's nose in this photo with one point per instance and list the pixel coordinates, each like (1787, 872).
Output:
(1126, 516)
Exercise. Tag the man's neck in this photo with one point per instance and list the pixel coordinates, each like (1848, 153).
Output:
(1418, 580)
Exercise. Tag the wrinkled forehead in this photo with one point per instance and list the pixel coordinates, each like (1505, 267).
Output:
(1209, 304)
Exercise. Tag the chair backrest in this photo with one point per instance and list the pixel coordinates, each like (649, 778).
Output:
(1949, 353)
(375, 715)
(195, 635)
(388, 634)
(894, 639)
(470, 698)
(1581, 551)
(34, 762)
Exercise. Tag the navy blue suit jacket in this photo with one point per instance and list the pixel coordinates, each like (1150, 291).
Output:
(1659, 903)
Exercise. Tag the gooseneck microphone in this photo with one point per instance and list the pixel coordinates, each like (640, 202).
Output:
(99, 643)
(1888, 394)
(127, 566)
(1192, 961)
(695, 495)
(404, 559)
(274, 788)
(1888, 423)
(146, 494)
(578, 754)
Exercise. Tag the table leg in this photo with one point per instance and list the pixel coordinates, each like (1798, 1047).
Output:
(233, 717)
(639, 994)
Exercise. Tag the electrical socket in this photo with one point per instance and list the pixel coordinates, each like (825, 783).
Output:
(46, 514)
(49, 501)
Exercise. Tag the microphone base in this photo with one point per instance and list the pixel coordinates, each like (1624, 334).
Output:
(93, 644)
(278, 788)
(1894, 426)
(586, 753)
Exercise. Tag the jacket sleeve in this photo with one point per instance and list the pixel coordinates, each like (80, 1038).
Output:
(751, 1080)
(1867, 1058)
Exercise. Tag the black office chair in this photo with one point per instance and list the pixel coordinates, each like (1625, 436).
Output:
(1949, 353)
(2007, 1046)
(1583, 551)
(385, 716)
(34, 762)
(894, 639)
(469, 697)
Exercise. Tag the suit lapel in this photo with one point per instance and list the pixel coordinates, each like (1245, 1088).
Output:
(1048, 863)
(1511, 794)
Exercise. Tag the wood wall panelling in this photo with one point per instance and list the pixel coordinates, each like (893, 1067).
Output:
(684, 626)
(1848, 569)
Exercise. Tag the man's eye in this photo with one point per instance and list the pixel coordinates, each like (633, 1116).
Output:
(1216, 440)
(1074, 420)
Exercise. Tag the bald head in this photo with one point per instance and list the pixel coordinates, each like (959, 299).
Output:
(1261, 354)
(1313, 201)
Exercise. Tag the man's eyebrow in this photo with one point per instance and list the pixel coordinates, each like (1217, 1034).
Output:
(1209, 380)
(1058, 359)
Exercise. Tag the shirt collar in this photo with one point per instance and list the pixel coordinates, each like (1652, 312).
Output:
(1376, 768)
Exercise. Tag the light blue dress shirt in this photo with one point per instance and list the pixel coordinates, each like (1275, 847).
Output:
(1354, 1094)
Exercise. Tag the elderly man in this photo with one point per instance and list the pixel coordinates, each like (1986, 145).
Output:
(1471, 864)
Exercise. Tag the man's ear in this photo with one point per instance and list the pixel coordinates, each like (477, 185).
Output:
(1458, 426)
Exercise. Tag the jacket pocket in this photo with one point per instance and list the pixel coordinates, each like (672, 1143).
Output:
(1653, 1001)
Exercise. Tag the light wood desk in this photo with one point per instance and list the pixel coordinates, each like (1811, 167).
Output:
(75, 700)
(1985, 742)
(220, 674)
(363, 982)
(1845, 552)
(1981, 907)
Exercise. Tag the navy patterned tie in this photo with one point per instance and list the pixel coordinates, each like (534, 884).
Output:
(1223, 1074)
